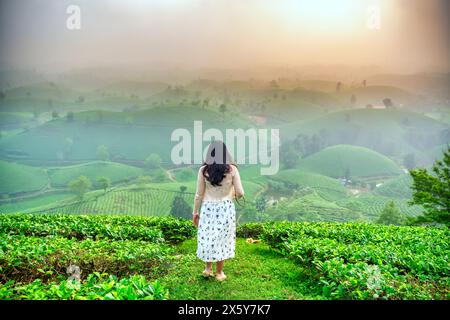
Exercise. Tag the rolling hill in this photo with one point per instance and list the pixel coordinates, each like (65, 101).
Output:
(336, 160)
(16, 178)
(128, 135)
(390, 132)
(61, 176)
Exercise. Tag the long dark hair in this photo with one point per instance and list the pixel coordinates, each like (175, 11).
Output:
(217, 163)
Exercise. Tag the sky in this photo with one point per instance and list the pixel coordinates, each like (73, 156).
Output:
(406, 35)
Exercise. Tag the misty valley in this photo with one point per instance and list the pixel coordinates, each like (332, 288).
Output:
(344, 156)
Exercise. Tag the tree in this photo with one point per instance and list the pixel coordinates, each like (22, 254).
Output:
(288, 156)
(102, 153)
(55, 115)
(261, 203)
(364, 83)
(223, 109)
(153, 161)
(70, 116)
(353, 100)
(80, 186)
(183, 189)
(180, 208)
(338, 87)
(205, 103)
(103, 183)
(388, 103)
(142, 181)
(391, 215)
(2, 95)
(432, 191)
(409, 161)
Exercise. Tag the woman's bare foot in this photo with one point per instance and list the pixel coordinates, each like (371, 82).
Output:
(207, 273)
(221, 276)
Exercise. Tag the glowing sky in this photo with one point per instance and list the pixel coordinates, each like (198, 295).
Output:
(413, 34)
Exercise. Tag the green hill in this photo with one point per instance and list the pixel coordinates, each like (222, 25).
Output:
(128, 135)
(327, 187)
(398, 187)
(336, 160)
(42, 90)
(14, 118)
(61, 176)
(390, 132)
(16, 178)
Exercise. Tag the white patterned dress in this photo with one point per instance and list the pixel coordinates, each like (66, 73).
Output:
(216, 231)
(216, 237)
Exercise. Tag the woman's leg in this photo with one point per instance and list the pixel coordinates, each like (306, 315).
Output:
(220, 266)
(208, 267)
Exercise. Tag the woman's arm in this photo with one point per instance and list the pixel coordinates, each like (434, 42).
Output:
(238, 189)
(199, 193)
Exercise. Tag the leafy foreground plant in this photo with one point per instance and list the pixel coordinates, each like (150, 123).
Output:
(95, 287)
(361, 261)
(114, 256)
(153, 229)
(25, 258)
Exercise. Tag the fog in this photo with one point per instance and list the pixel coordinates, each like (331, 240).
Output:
(413, 35)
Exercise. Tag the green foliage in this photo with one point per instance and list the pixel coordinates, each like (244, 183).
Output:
(80, 186)
(361, 261)
(95, 287)
(153, 161)
(27, 258)
(432, 191)
(391, 215)
(142, 181)
(159, 175)
(110, 252)
(103, 183)
(102, 153)
(180, 208)
(186, 174)
(289, 157)
(97, 227)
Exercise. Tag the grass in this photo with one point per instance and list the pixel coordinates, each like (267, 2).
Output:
(257, 272)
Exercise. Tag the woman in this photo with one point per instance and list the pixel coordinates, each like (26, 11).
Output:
(218, 182)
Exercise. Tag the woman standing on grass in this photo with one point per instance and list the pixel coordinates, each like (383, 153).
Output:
(218, 182)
